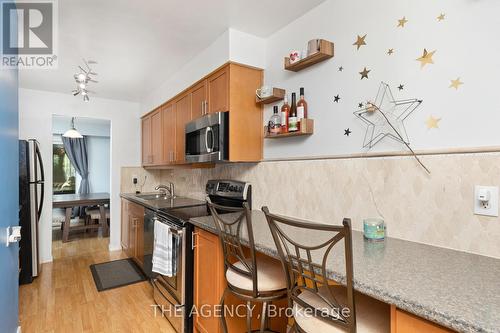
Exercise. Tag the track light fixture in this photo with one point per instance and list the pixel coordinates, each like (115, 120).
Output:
(83, 78)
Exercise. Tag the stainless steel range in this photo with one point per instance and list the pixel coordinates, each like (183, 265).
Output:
(174, 295)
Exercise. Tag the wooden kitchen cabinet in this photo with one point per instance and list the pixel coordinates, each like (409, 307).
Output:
(208, 278)
(156, 138)
(152, 139)
(218, 91)
(230, 88)
(199, 101)
(209, 285)
(132, 233)
(182, 117)
(404, 322)
(124, 239)
(168, 118)
(146, 141)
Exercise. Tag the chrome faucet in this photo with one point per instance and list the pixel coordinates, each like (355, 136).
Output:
(164, 189)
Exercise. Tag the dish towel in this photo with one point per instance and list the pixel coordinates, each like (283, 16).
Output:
(164, 250)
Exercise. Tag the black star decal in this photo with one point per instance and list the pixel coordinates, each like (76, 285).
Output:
(360, 105)
(401, 87)
(347, 132)
(336, 99)
(341, 69)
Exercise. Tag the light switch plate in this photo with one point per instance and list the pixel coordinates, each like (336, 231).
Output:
(492, 208)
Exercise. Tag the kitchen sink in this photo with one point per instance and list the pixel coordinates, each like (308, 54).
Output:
(154, 197)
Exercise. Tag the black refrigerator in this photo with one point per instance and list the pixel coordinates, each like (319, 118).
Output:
(31, 196)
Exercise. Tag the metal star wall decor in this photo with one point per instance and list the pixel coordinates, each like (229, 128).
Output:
(385, 117)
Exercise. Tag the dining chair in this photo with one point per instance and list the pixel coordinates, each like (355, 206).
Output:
(319, 304)
(249, 277)
(93, 215)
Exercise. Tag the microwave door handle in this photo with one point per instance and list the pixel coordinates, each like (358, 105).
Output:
(209, 149)
(213, 139)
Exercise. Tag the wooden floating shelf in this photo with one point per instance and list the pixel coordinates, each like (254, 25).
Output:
(278, 95)
(325, 52)
(306, 128)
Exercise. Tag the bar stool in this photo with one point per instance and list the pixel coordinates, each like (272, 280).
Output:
(250, 278)
(317, 305)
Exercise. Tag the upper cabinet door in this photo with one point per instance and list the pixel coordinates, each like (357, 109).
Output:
(156, 138)
(168, 115)
(199, 101)
(147, 158)
(182, 117)
(218, 91)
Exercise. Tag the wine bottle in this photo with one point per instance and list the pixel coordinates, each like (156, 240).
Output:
(275, 122)
(292, 119)
(285, 113)
(301, 106)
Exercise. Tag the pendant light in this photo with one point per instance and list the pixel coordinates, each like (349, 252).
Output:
(72, 132)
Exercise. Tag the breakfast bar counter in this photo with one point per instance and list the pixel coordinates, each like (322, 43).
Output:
(455, 289)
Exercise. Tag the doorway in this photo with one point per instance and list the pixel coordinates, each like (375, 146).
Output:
(80, 185)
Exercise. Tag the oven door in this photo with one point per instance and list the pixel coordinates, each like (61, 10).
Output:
(207, 138)
(169, 308)
(173, 284)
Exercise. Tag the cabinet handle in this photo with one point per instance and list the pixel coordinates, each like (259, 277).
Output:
(202, 108)
(206, 107)
(193, 236)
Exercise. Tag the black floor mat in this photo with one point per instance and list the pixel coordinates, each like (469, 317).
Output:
(117, 273)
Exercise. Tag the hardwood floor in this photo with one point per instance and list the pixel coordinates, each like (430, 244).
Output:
(64, 297)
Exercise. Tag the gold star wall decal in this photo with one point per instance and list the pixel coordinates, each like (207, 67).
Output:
(441, 17)
(426, 58)
(360, 41)
(432, 122)
(456, 83)
(390, 51)
(364, 73)
(402, 22)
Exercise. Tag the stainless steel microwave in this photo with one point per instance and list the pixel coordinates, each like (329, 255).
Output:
(207, 138)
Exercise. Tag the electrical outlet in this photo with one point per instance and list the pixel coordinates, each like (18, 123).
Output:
(486, 200)
(134, 179)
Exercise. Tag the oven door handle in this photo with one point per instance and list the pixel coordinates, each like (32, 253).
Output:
(176, 232)
(173, 230)
(209, 149)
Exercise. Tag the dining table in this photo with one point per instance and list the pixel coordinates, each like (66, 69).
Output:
(69, 201)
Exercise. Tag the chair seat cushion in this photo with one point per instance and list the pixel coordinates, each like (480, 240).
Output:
(270, 276)
(372, 316)
(95, 213)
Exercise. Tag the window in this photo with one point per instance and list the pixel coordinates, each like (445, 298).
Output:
(64, 174)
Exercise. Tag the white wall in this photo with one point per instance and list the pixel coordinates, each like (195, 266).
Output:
(247, 49)
(469, 115)
(232, 45)
(86, 126)
(98, 149)
(205, 62)
(36, 109)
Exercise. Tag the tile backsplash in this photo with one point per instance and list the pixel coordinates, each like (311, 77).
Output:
(435, 209)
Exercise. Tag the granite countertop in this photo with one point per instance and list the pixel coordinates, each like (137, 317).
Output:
(161, 203)
(455, 289)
